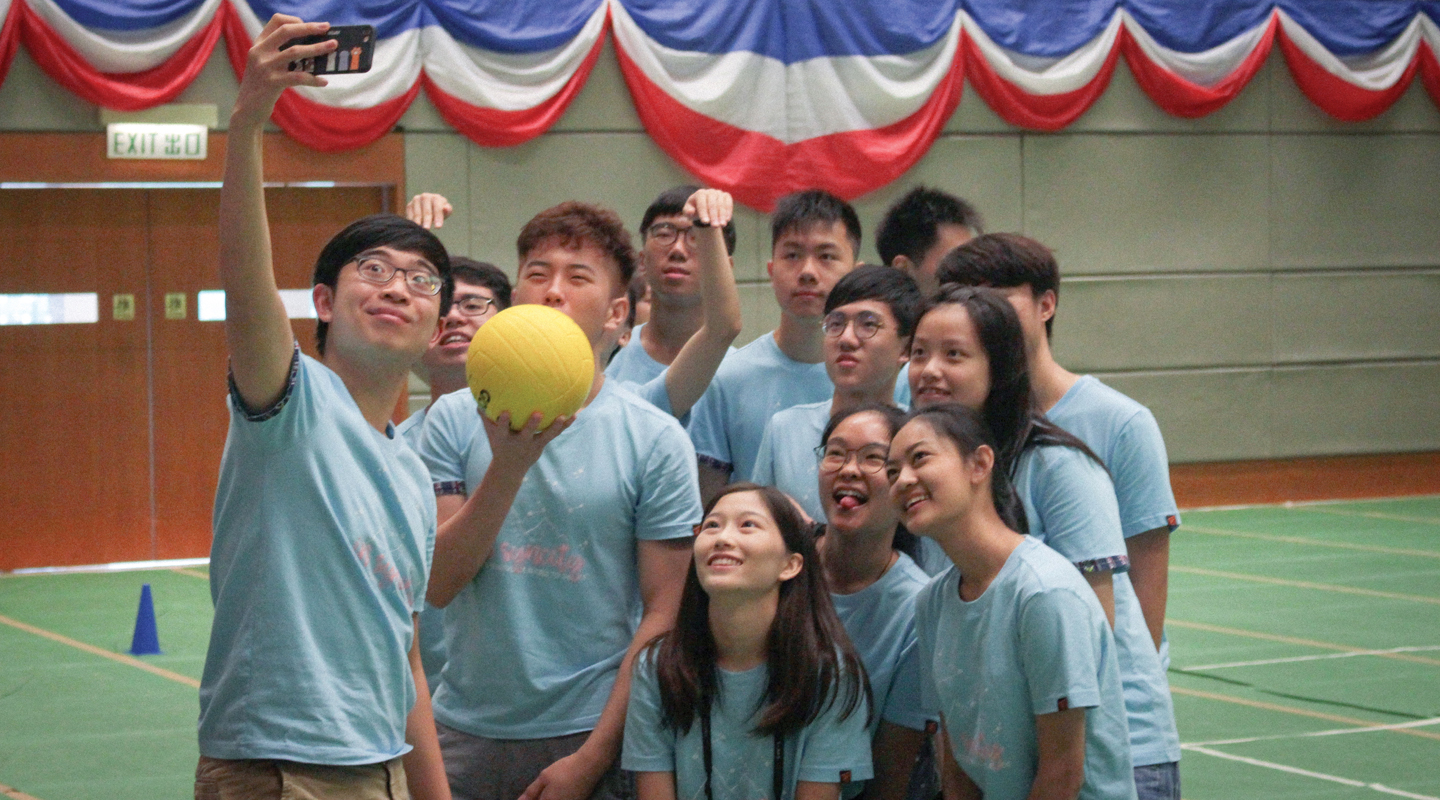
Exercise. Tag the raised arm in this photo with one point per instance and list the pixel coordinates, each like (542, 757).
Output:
(694, 366)
(257, 329)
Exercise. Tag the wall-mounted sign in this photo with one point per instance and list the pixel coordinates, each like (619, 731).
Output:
(174, 305)
(155, 141)
(123, 306)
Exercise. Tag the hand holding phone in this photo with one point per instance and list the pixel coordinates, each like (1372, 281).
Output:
(355, 51)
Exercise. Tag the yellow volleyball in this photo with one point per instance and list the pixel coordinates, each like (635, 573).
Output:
(530, 358)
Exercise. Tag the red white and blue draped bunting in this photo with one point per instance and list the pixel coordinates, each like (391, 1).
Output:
(759, 97)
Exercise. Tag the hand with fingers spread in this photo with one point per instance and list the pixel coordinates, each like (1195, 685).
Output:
(428, 210)
(519, 450)
(267, 67)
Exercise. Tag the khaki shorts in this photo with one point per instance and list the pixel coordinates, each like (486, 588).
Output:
(268, 779)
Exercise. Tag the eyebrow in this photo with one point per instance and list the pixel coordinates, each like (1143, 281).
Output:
(376, 252)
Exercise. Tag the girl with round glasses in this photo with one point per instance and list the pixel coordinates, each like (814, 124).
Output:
(756, 691)
(873, 582)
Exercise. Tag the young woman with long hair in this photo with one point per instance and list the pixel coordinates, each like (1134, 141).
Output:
(873, 582)
(756, 692)
(969, 348)
(1013, 643)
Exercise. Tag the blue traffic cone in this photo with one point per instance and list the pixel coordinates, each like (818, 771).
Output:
(146, 641)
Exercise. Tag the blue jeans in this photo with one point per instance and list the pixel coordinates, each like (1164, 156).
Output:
(1158, 781)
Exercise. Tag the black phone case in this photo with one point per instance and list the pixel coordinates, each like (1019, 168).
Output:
(356, 50)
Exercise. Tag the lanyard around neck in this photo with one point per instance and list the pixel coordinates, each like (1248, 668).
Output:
(777, 764)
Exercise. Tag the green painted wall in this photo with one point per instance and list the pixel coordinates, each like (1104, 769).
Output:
(1266, 279)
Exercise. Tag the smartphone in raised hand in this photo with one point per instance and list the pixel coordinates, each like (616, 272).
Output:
(355, 51)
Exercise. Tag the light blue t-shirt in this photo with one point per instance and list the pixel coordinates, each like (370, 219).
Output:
(536, 638)
(632, 363)
(828, 750)
(324, 529)
(902, 389)
(880, 620)
(751, 385)
(1125, 436)
(1035, 642)
(786, 457)
(432, 619)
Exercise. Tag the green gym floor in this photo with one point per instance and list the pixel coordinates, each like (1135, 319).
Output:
(1305, 647)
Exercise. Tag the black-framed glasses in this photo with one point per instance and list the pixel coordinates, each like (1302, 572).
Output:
(666, 233)
(380, 272)
(867, 324)
(869, 458)
(474, 305)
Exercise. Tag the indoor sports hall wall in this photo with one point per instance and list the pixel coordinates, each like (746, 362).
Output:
(1265, 278)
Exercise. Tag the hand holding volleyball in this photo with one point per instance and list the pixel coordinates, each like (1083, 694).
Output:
(530, 358)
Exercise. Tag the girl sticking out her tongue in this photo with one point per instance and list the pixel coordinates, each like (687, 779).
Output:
(873, 585)
(756, 692)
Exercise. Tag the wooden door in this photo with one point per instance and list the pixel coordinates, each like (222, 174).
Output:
(74, 430)
(112, 431)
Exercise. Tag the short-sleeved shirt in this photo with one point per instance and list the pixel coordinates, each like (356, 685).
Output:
(786, 458)
(828, 750)
(324, 529)
(1035, 642)
(880, 620)
(633, 364)
(536, 638)
(751, 385)
(1125, 436)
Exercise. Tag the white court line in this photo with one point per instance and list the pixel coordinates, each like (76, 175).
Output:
(119, 566)
(1379, 787)
(1293, 659)
(1398, 726)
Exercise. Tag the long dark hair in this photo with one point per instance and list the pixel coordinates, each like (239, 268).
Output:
(809, 657)
(967, 431)
(904, 541)
(1010, 411)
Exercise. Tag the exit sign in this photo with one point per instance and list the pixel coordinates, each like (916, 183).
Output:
(155, 141)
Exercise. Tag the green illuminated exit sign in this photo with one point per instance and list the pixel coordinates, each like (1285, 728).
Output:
(155, 141)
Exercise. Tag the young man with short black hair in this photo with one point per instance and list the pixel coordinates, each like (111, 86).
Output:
(870, 316)
(669, 267)
(324, 522)
(815, 239)
(920, 228)
(1124, 435)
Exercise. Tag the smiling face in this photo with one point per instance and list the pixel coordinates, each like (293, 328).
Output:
(384, 322)
(948, 364)
(856, 495)
(805, 264)
(739, 550)
(581, 282)
(448, 353)
(928, 479)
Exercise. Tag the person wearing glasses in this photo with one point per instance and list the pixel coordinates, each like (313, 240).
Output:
(814, 242)
(873, 583)
(670, 266)
(324, 521)
(870, 316)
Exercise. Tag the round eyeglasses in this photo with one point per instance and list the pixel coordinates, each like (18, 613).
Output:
(867, 324)
(870, 458)
(380, 272)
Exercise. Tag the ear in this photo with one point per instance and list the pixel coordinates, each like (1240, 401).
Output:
(980, 464)
(618, 311)
(324, 298)
(769, 268)
(794, 564)
(904, 264)
(1046, 303)
(436, 334)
